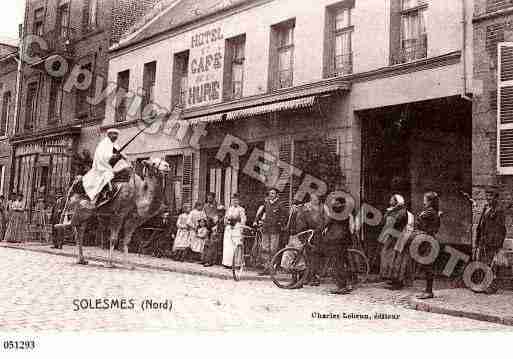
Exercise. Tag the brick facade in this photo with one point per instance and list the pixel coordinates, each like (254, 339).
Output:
(493, 23)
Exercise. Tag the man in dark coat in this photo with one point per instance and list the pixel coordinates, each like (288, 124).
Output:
(491, 230)
(271, 229)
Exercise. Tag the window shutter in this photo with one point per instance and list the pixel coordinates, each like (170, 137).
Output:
(227, 80)
(85, 16)
(273, 60)
(505, 109)
(329, 41)
(187, 179)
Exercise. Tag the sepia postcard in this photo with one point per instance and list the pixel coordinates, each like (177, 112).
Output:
(257, 167)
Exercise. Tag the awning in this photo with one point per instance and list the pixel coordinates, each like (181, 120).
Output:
(296, 104)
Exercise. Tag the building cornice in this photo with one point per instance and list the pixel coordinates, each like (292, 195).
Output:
(492, 15)
(68, 130)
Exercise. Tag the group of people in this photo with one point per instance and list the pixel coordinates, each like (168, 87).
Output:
(208, 231)
(14, 217)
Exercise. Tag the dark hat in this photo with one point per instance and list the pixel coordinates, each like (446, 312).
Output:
(492, 189)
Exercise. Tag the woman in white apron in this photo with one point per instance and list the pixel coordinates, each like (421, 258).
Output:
(234, 218)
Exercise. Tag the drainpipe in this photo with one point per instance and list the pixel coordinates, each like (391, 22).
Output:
(464, 50)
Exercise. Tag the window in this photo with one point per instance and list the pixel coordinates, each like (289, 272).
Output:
(92, 12)
(234, 70)
(339, 31)
(413, 30)
(149, 77)
(54, 107)
(63, 21)
(505, 109)
(82, 105)
(31, 106)
(283, 53)
(180, 76)
(39, 15)
(2, 179)
(122, 100)
(6, 112)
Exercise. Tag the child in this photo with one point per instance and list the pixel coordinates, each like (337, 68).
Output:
(196, 244)
(182, 240)
(202, 235)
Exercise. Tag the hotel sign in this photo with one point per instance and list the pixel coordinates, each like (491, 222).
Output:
(206, 68)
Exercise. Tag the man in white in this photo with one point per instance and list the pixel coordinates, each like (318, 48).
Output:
(102, 171)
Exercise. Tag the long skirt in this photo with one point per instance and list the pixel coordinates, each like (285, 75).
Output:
(197, 243)
(396, 265)
(232, 237)
(15, 231)
(182, 240)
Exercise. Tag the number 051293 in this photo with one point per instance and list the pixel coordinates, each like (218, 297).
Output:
(19, 344)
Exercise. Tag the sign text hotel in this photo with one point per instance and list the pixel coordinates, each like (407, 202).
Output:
(206, 68)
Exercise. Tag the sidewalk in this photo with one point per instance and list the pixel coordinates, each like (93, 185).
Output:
(495, 308)
(458, 302)
(141, 261)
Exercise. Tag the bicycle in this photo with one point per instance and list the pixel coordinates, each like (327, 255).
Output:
(290, 267)
(247, 252)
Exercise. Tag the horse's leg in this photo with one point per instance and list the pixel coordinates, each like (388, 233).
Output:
(79, 237)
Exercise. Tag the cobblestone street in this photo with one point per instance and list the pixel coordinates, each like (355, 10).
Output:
(39, 292)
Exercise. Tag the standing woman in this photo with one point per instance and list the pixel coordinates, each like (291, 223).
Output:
(234, 218)
(396, 266)
(16, 220)
(428, 222)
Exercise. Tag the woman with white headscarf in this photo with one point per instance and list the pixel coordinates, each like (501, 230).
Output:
(396, 264)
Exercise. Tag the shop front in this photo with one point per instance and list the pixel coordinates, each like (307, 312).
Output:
(44, 165)
(418, 147)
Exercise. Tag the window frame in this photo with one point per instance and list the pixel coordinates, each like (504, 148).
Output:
(233, 61)
(90, 25)
(54, 117)
(180, 78)
(39, 21)
(149, 84)
(121, 96)
(419, 11)
(278, 48)
(33, 105)
(337, 32)
(5, 114)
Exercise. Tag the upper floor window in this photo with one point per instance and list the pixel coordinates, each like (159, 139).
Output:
(39, 15)
(54, 107)
(92, 14)
(234, 71)
(6, 112)
(282, 54)
(123, 83)
(31, 106)
(63, 15)
(180, 78)
(149, 78)
(413, 30)
(339, 32)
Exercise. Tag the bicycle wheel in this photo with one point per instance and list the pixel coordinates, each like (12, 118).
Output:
(358, 265)
(238, 265)
(289, 268)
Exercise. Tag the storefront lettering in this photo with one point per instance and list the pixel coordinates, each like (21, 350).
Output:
(206, 68)
(206, 38)
(204, 93)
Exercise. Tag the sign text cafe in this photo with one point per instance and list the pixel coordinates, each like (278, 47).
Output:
(206, 68)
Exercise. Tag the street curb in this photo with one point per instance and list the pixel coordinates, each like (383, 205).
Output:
(141, 265)
(423, 306)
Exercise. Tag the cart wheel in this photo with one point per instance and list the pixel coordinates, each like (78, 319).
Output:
(359, 265)
(289, 268)
(238, 265)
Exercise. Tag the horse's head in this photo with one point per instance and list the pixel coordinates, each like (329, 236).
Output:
(156, 167)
